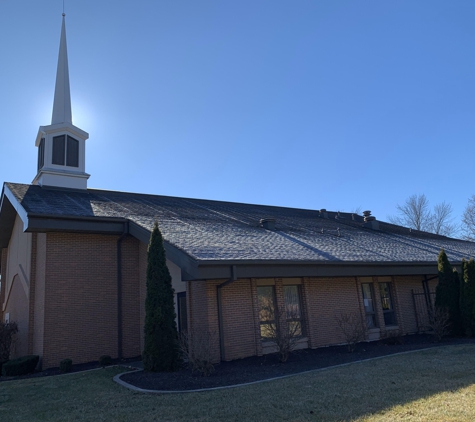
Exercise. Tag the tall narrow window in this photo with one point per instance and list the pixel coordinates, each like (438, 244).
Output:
(72, 153)
(387, 304)
(182, 315)
(59, 148)
(266, 300)
(292, 310)
(41, 154)
(369, 304)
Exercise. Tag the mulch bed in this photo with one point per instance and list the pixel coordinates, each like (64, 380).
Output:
(265, 367)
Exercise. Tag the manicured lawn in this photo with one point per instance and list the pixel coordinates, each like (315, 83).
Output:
(431, 385)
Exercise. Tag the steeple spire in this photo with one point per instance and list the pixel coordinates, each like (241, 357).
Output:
(61, 145)
(62, 95)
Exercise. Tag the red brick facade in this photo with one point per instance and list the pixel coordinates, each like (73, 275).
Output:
(73, 302)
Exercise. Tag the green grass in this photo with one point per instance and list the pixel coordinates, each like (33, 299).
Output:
(430, 385)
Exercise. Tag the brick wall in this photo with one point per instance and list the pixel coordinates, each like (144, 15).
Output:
(131, 327)
(3, 269)
(403, 288)
(31, 299)
(142, 269)
(238, 320)
(327, 298)
(39, 297)
(80, 320)
(323, 299)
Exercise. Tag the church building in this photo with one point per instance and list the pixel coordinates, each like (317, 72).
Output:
(73, 262)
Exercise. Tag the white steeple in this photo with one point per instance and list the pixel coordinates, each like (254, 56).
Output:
(62, 95)
(61, 145)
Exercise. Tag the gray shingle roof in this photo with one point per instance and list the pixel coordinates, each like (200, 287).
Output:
(215, 230)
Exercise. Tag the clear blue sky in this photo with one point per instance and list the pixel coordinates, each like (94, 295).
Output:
(312, 104)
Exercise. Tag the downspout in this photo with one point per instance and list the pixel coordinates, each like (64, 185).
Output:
(119, 288)
(220, 309)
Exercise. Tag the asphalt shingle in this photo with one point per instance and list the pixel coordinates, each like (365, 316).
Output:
(215, 230)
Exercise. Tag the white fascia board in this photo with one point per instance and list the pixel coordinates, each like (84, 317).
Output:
(63, 127)
(18, 208)
(41, 134)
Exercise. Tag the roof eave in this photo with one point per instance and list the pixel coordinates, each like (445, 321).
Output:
(208, 270)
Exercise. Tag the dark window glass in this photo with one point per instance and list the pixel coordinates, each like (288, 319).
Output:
(265, 297)
(72, 157)
(292, 309)
(387, 304)
(182, 315)
(59, 149)
(41, 154)
(369, 305)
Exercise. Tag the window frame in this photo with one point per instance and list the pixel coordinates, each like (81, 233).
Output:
(369, 314)
(267, 322)
(389, 314)
(290, 320)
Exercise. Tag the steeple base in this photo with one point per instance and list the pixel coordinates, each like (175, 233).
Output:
(61, 179)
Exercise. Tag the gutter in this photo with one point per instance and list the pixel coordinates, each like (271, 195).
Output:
(119, 289)
(220, 309)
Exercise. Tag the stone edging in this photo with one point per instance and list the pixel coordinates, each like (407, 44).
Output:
(143, 390)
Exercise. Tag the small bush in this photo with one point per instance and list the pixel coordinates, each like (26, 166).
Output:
(66, 365)
(439, 321)
(105, 360)
(21, 366)
(352, 327)
(198, 350)
(7, 335)
(392, 337)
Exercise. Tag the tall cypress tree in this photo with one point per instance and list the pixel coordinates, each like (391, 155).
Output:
(448, 292)
(161, 353)
(468, 296)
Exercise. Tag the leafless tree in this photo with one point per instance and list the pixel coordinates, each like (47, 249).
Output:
(198, 350)
(468, 220)
(442, 220)
(439, 321)
(284, 327)
(416, 214)
(352, 327)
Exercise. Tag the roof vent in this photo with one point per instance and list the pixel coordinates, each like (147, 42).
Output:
(370, 221)
(268, 223)
(323, 213)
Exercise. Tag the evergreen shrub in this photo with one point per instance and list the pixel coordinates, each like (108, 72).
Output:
(448, 293)
(161, 352)
(65, 365)
(20, 366)
(7, 335)
(105, 360)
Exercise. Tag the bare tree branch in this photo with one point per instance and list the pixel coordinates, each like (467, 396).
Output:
(468, 220)
(442, 220)
(415, 213)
